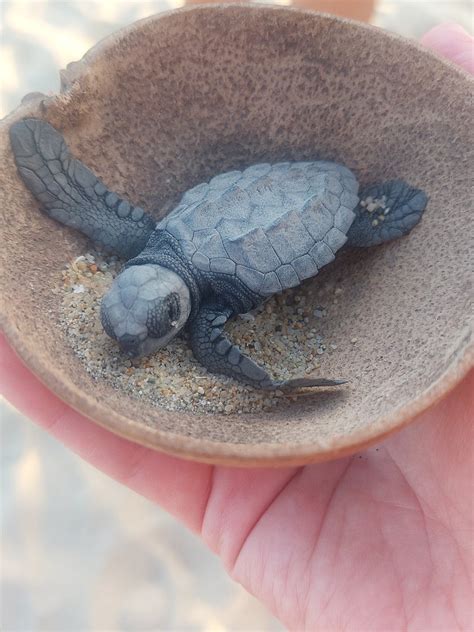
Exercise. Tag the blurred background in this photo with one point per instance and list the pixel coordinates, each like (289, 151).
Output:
(78, 552)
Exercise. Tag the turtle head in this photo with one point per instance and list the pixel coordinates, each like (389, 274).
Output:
(145, 308)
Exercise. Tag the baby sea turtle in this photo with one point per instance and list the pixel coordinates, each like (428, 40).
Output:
(226, 248)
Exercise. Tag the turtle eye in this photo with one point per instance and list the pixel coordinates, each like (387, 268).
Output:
(174, 310)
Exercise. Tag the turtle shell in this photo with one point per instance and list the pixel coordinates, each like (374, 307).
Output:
(272, 226)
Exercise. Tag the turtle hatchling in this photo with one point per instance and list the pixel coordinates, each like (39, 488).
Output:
(228, 246)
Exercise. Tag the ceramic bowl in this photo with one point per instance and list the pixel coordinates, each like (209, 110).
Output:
(173, 100)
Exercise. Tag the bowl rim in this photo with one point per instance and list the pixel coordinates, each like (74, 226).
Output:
(110, 39)
(263, 454)
(206, 450)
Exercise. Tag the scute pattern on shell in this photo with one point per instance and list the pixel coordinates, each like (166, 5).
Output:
(271, 225)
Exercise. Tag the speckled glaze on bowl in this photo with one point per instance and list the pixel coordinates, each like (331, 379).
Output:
(175, 99)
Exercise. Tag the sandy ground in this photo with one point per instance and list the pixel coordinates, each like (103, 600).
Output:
(78, 551)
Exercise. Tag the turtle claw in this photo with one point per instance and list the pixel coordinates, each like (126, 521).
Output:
(309, 382)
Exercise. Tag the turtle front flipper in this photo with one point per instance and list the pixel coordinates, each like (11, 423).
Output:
(71, 194)
(385, 212)
(214, 350)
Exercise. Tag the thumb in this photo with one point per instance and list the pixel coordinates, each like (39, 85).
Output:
(453, 42)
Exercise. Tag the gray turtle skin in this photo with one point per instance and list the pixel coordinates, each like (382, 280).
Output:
(227, 247)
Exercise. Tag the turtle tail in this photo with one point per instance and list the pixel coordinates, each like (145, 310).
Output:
(71, 194)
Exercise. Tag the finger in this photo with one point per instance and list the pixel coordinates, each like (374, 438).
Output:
(181, 487)
(453, 42)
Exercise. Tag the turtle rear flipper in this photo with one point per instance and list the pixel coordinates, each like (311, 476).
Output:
(385, 212)
(213, 349)
(71, 194)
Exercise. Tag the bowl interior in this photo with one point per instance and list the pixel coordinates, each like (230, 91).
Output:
(178, 98)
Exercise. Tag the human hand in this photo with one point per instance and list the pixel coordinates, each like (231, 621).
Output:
(377, 541)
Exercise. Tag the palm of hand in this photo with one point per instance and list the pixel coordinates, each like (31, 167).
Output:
(380, 540)
(377, 541)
